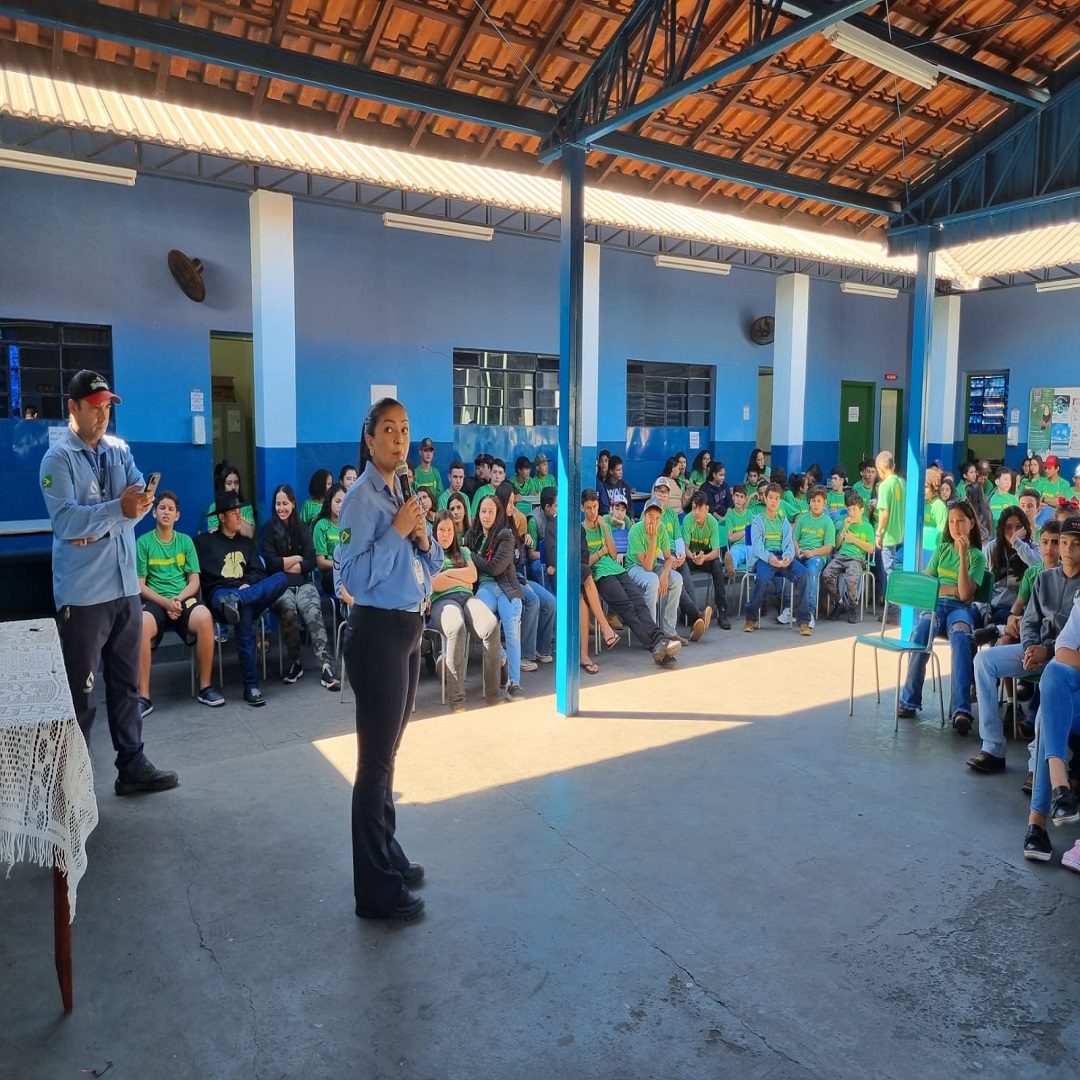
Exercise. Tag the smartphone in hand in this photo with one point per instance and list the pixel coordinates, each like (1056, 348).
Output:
(152, 483)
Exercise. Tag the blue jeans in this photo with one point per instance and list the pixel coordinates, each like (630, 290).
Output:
(950, 613)
(252, 601)
(890, 555)
(1000, 662)
(537, 571)
(537, 621)
(509, 612)
(1059, 716)
(813, 566)
(764, 575)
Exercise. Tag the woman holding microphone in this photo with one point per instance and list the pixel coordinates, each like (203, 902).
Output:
(387, 557)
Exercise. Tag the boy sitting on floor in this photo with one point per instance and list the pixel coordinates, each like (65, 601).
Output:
(855, 543)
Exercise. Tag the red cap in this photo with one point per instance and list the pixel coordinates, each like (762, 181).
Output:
(1052, 462)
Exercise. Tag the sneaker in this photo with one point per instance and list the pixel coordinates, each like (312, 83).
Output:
(659, 652)
(144, 778)
(723, 621)
(528, 665)
(296, 671)
(1071, 859)
(784, 617)
(544, 658)
(852, 615)
(813, 622)
(1028, 784)
(514, 692)
(146, 707)
(329, 679)
(230, 609)
(1063, 806)
(804, 629)
(700, 626)
(209, 696)
(253, 696)
(707, 615)
(673, 645)
(839, 607)
(1037, 844)
(749, 626)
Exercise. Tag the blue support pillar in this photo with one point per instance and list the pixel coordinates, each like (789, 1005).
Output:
(571, 337)
(789, 370)
(944, 381)
(922, 326)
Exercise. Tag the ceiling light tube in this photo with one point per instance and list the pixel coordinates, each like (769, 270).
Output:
(57, 166)
(461, 229)
(888, 57)
(1057, 284)
(859, 289)
(675, 262)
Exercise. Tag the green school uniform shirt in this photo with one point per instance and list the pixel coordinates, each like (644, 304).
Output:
(812, 532)
(481, 491)
(428, 478)
(166, 566)
(864, 531)
(669, 523)
(701, 539)
(697, 478)
(998, 502)
(945, 565)
(936, 515)
(528, 488)
(325, 537)
(791, 507)
(891, 498)
(444, 500)
(541, 482)
(310, 510)
(637, 543)
(772, 532)
(867, 494)
(605, 566)
(834, 501)
(735, 523)
(1027, 581)
(1053, 489)
(447, 565)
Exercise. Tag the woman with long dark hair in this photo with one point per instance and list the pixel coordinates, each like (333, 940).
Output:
(756, 463)
(287, 547)
(325, 535)
(319, 484)
(227, 478)
(386, 558)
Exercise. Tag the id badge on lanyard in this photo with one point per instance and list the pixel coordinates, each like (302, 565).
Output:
(418, 573)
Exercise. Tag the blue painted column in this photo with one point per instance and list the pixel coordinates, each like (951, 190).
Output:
(789, 370)
(922, 328)
(273, 312)
(943, 380)
(571, 337)
(590, 363)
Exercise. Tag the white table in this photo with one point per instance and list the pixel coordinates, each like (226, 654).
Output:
(47, 803)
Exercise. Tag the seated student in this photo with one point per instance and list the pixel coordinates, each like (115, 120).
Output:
(755, 467)
(347, 476)
(753, 478)
(717, 490)
(615, 485)
(538, 605)
(981, 509)
(287, 548)
(490, 539)
(814, 476)
(1059, 718)
(498, 475)
(619, 525)
(985, 478)
(757, 496)
(325, 535)
(947, 491)
(236, 586)
(650, 571)
(603, 467)
(590, 602)
(959, 566)
(427, 476)
(735, 523)
(455, 612)
(616, 588)
(228, 479)
(528, 535)
(1054, 486)
(458, 505)
(168, 570)
(854, 546)
(320, 483)
(481, 474)
(427, 504)
(664, 488)
(1003, 495)
(866, 486)
(701, 469)
(814, 536)
(969, 475)
(835, 506)
(935, 512)
(456, 475)
(772, 555)
(794, 501)
(707, 553)
(523, 481)
(547, 512)
(1008, 555)
(1053, 595)
(777, 475)
(1029, 500)
(542, 477)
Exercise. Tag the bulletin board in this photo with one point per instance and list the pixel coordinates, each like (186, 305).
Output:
(1054, 421)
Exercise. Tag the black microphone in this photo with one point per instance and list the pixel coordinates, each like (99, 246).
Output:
(402, 474)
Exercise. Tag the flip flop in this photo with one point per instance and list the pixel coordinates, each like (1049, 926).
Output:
(590, 668)
(612, 641)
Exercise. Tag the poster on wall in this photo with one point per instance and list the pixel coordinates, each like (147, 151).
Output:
(1054, 422)
(1039, 421)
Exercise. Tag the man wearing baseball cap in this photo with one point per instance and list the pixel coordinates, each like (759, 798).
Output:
(426, 475)
(94, 494)
(1053, 485)
(481, 474)
(542, 477)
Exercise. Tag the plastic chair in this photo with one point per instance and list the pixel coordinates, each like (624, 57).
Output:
(905, 589)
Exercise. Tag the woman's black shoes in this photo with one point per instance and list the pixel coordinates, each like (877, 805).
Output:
(409, 907)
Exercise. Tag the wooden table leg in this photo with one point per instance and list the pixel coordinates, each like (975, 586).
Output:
(62, 935)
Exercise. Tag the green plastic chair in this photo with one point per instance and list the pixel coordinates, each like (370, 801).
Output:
(904, 589)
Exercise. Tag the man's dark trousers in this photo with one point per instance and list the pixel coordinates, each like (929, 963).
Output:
(252, 601)
(108, 635)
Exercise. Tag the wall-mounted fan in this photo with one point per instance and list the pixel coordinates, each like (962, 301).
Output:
(762, 330)
(187, 273)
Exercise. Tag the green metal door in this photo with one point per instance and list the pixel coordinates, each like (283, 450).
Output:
(856, 425)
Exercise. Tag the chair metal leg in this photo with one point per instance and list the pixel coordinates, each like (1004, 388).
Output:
(896, 704)
(941, 693)
(851, 699)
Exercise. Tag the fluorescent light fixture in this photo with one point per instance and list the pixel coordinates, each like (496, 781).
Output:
(888, 57)
(674, 262)
(79, 170)
(442, 227)
(859, 289)
(1057, 284)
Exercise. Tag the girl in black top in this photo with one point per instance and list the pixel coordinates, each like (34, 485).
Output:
(287, 547)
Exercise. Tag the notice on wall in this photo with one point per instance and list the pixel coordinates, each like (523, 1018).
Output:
(1054, 421)
(57, 433)
(1012, 436)
(381, 390)
(197, 401)
(746, 412)
(853, 414)
(695, 440)
(1014, 416)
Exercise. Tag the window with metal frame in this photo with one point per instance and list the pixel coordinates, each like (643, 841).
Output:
(38, 360)
(668, 395)
(505, 389)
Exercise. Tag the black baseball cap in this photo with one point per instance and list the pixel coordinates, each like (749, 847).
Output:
(92, 387)
(426, 444)
(1070, 526)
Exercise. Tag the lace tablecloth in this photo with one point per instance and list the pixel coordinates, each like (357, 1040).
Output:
(47, 804)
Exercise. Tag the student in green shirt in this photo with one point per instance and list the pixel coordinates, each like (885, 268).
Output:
(814, 535)
(523, 481)
(319, 484)
(794, 501)
(772, 555)
(707, 552)
(864, 486)
(834, 498)
(498, 475)
(699, 470)
(1002, 496)
(959, 565)
(229, 480)
(665, 490)
(650, 567)
(325, 535)
(456, 474)
(735, 523)
(1054, 487)
(168, 571)
(969, 474)
(854, 546)
(1050, 556)
(935, 512)
(542, 477)
(1028, 499)
(425, 474)
(889, 533)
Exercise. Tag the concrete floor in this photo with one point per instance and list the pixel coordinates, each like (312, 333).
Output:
(713, 873)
